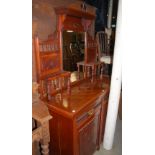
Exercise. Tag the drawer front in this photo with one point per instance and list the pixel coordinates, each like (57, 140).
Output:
(88, 112)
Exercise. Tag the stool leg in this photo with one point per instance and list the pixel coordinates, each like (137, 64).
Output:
(101, 75)
(78, 66)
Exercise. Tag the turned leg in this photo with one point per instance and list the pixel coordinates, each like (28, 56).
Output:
(45, 139)
(99, 66)
(101, 75)
(49, 90)
(45, 149)
(41, 89)
(85, 71)
(78, 66)
(69, 86)
(93, 70)
(88, 71)
(84, 74)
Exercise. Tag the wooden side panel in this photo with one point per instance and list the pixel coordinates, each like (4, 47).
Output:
(49, 63)
(54, 127)
(61, 134)
(66, 134)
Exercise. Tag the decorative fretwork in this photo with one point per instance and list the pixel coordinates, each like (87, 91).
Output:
(49, 47)
(57, 83)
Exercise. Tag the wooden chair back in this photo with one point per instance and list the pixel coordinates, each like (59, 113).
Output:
(91, 49)
(102, 43)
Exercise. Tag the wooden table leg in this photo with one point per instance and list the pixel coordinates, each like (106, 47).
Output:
(45, 139)
(45, 149)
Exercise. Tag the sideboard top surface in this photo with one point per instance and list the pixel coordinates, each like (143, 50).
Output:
(82, 95)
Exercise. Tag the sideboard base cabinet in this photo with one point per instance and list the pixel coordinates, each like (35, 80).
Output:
(77, 133)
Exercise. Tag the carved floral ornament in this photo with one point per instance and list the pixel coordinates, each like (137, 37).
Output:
(86, 23)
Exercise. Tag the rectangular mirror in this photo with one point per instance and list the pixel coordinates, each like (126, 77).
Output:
(73, 49)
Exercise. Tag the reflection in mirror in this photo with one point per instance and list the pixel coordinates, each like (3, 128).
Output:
(73, 49)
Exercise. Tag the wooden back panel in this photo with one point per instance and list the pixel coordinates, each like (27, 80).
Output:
(91, 49)
(102, 43)
(47, 57)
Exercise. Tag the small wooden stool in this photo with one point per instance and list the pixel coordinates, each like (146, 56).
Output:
(94, 66)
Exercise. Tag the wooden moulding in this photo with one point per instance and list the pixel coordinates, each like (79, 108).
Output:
(75, 13)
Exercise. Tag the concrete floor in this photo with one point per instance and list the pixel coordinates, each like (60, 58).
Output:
(117, 145)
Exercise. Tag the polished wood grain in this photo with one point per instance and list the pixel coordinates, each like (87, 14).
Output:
(79, 118)
(73, 12)
(47, 57)
(103, 118)
(90, 49)
(78, 21)
(49, 65)
(77, 108)
(91, 69)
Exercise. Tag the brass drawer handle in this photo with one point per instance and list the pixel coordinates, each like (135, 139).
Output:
(91, 112)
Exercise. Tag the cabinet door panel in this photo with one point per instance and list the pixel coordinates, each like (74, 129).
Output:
(88, 136)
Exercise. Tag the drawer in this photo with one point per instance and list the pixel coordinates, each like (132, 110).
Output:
(88, 112)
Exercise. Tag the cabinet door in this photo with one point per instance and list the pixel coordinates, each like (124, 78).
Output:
(88, 135)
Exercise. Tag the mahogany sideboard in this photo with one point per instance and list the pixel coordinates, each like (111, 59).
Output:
(78, 113)
(77, 126)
